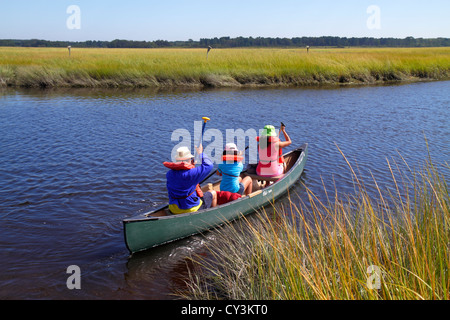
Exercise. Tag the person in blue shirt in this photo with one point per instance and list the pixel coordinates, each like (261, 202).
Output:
(230, 170)
(183, 180)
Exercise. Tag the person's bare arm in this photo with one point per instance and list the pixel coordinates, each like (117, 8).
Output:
(288, 141)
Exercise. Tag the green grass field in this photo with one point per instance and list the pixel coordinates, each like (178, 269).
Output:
(52, 67)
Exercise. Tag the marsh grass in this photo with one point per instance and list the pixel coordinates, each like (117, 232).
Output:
(324, 252)
(52, 67)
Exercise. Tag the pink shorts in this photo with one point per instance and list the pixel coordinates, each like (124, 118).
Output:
(272, 171)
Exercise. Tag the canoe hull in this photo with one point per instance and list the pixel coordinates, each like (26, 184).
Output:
(144, 232)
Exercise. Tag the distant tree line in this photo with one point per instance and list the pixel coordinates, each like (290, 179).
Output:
(227, 42)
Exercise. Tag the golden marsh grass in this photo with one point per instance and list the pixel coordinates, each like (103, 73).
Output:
(326, 251)
(52, 67)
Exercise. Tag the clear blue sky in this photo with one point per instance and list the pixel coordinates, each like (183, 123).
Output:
(194, 19)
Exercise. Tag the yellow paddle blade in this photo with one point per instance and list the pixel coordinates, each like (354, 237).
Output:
(206, 119)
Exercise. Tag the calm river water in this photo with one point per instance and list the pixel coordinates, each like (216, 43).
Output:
(75, 163)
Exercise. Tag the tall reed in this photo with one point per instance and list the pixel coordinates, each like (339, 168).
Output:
(350, 247)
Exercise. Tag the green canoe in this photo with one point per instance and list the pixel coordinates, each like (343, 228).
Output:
(159, 227)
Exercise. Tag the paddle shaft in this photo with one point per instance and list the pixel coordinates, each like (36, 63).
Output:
(205, 120)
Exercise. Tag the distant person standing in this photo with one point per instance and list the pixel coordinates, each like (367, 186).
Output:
(307, 49)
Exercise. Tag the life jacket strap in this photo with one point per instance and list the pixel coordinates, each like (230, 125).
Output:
(227, 174)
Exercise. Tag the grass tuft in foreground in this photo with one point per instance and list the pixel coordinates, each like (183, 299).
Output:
(338, 249)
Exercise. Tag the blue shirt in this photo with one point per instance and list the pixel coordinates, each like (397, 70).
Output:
(230, 176)
(183, 183)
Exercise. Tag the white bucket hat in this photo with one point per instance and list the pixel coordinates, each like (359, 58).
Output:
(231, 147)
(183, 153)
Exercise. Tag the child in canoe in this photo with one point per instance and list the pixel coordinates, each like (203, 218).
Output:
(230, 170)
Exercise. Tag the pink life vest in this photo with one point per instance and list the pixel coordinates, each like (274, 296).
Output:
(270, 158)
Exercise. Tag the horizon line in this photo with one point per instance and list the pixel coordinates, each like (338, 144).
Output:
(230, 38)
